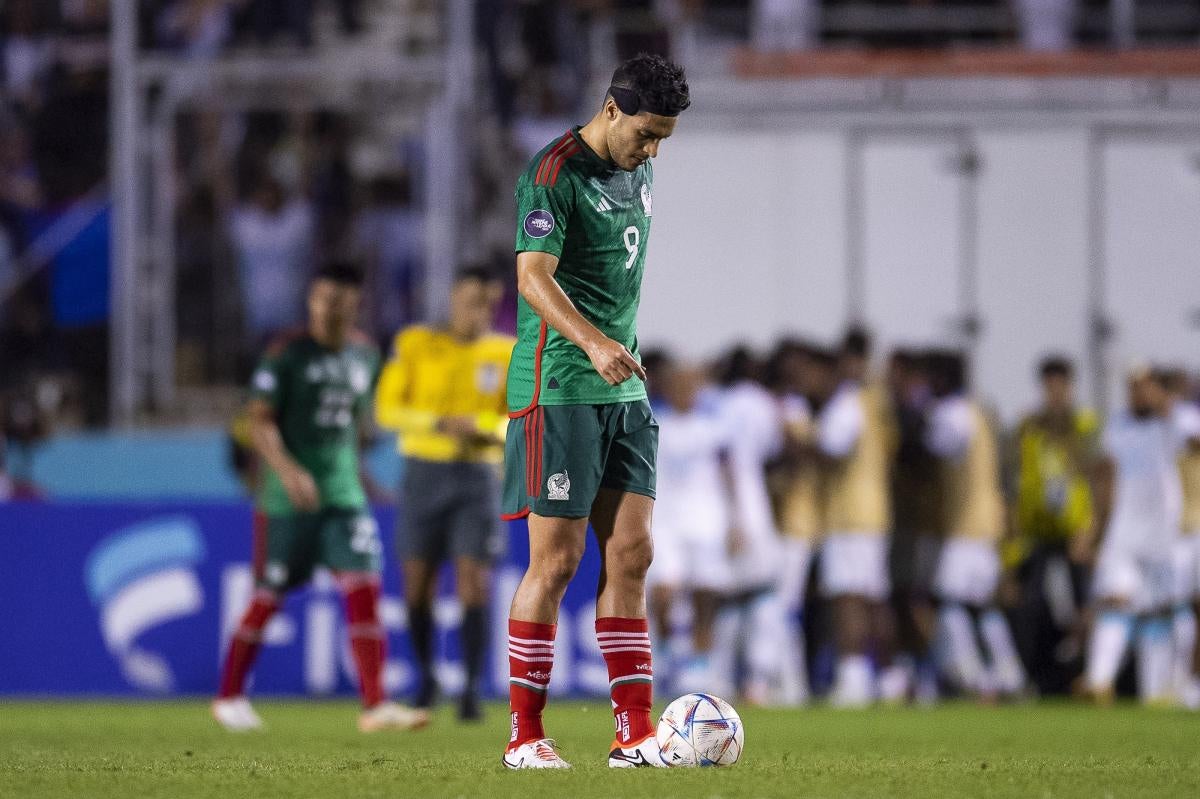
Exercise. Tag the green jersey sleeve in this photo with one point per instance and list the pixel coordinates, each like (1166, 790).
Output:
(268, 381)
(543, 214)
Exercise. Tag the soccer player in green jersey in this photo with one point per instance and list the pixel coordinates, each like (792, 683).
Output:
(582, 441)
(309, 393)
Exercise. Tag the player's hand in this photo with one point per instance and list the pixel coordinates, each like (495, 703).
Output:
(737, 541)
(301, 489)
(613, 362)
(1081, 548)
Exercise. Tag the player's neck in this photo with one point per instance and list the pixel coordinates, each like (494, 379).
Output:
(593, 136)
(326, 339)
(463, 333)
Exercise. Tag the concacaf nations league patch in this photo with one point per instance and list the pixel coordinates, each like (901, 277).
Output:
(539, 224)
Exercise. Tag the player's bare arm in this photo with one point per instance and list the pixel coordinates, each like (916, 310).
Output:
(297, 482)
(535, 281)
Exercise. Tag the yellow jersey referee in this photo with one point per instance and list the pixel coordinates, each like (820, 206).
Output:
(443, 392)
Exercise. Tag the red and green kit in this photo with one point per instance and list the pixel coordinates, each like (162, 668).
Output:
(571, 432)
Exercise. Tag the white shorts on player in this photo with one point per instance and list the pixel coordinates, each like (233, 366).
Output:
(968, 571)
(855, 564)
(691, 514)
(687, 560)
(1137, 579)
(1186, 576)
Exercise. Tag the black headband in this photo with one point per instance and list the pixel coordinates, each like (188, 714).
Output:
(630, 103)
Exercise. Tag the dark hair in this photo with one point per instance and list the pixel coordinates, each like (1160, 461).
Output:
(344, 273)
(736, 365)
(1056, 366)
(480, 272)
(857, 342)
(650, 83)
(948, 373)
(823, 357)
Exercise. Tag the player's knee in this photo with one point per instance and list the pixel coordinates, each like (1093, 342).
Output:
(556, 569)
(632, 561)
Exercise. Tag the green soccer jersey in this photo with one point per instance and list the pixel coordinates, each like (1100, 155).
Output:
(596, 218)
(318, 396)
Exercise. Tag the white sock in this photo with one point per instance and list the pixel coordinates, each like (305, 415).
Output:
(1184, 634)
(793, 677)
(853, 684)
(1007, 670)
(1106, 649)
(727, 641)
(766, 629)
(965, 662)
(896, 680)
(1154, 659)
(793, 669)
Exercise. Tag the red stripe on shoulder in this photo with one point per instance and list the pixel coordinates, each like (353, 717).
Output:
(570, 151)
(558, 145)
(282, 341)
(551, 174)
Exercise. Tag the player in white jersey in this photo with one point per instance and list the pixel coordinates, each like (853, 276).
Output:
(691, 525)
(752, 619)
(1185, 416)
(980, 653)
(1133, 579)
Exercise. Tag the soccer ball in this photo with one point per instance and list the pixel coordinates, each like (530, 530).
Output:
(700, 730)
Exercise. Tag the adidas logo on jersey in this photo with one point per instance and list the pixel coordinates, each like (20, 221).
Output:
(603, 205)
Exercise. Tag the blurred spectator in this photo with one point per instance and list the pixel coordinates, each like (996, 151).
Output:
(272, 237)
(22, 425)
(27, 50)
(783, 25)
(197, 28)
(1047, 25)
(1055, 454)
(390, 235)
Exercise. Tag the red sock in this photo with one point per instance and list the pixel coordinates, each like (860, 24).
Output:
(530, 658)
(625, 644)
(247, 639)
(367, 639)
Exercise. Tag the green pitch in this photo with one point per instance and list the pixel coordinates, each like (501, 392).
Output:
(175, 751)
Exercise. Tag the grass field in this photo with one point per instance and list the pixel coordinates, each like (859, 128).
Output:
(102, 750)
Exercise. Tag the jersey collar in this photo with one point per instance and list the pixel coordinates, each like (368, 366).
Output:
(591, 154)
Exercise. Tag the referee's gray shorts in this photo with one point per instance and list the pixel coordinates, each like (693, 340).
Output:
(449, 511)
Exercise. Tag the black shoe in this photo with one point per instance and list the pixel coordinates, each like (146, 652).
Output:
(427, 694)
(469, 709)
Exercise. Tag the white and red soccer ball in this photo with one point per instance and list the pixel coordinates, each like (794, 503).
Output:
(700, 730)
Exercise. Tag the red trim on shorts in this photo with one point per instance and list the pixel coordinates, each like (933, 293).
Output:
(543, 166)
(528, 452)
(537, 376)
(512, 517)
(258, 550)
(538, 432)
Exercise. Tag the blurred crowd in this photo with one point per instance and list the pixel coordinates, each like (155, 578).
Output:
(825, 529)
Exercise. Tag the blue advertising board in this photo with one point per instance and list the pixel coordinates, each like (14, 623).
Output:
(140, 600)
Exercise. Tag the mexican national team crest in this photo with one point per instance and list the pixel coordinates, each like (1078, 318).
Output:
(559, 486)
(647, 199)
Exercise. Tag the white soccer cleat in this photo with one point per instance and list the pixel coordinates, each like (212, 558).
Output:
(392, 716)
(236, 715)
(541, 753)
(640, 754)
